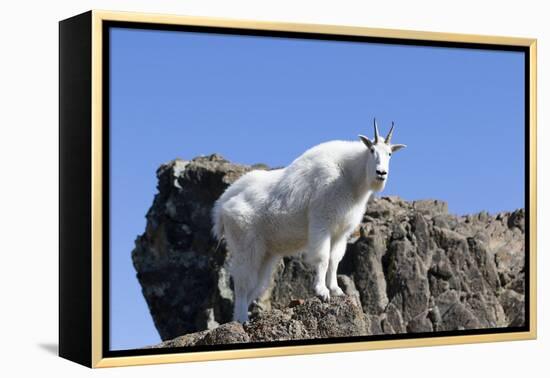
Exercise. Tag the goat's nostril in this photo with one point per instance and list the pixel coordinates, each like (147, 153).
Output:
(382, 173)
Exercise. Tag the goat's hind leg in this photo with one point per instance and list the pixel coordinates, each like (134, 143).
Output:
(240, 306)
(245, 271)
(264, 277)
(237, 269)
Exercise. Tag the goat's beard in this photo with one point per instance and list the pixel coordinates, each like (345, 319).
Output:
(378, 185)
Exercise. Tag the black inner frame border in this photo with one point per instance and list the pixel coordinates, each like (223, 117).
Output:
(107, 25)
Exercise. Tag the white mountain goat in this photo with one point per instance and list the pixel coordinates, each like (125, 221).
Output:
(311, 206)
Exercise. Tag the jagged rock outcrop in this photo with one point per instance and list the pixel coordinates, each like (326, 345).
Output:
(410, 266)
(310, 319)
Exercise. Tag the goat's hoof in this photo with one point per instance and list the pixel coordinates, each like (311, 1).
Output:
(323, 293)
(336, 291)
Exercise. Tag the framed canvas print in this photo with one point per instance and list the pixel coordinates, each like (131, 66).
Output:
(235, 189)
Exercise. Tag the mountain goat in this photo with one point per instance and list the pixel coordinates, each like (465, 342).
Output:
(311, 206)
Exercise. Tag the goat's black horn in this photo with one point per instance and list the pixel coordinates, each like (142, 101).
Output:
(376, 133)
(388, 138)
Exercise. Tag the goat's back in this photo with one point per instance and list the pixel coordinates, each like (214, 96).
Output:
(278, 201)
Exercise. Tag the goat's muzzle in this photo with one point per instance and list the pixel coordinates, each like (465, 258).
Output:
(381, 175)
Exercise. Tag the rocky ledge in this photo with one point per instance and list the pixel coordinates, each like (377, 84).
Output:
(309, 319)
(409, 267)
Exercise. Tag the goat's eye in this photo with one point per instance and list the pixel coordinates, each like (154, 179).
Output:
(390, 153)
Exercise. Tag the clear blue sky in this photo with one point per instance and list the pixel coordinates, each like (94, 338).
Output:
(256, 99)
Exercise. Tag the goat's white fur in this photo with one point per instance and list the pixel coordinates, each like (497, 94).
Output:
(311, 206)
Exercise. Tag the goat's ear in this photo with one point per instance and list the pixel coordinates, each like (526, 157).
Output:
(397, 147)
(366, 141)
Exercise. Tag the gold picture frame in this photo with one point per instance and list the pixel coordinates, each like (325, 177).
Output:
(82, 244)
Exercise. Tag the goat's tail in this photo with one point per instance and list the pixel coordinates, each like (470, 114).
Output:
(217, 221)
(217, 213)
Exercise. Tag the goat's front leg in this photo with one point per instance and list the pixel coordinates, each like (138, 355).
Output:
(337, 251)
(319, 255)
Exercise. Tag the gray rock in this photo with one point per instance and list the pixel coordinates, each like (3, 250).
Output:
(431, 207)
(367, 271)
(513, 304)
(348, 287)
(406, 277)
(229, 333)
(340, 317)
(293, 280)
(517, 219)
(394, 319)
(421, 323)
(409, 267)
